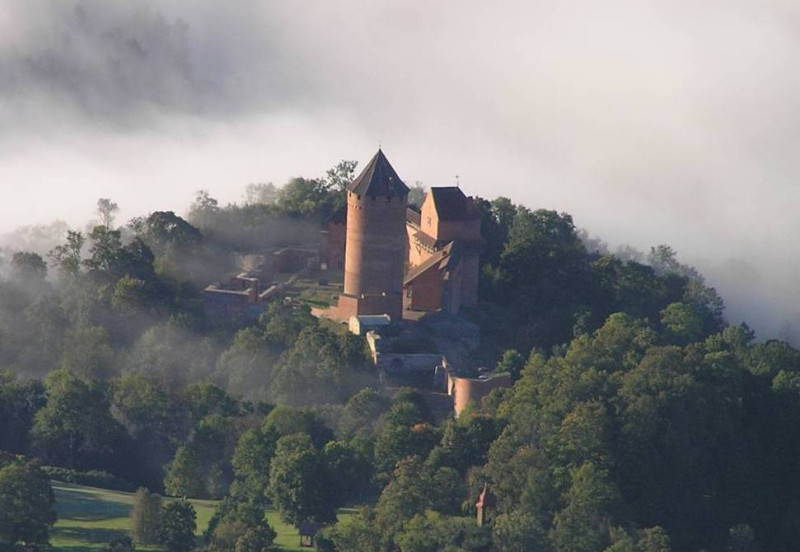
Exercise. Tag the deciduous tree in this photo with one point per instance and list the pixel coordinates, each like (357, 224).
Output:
(26, 505)
(298, 483)
(177, 526)
(145, 516)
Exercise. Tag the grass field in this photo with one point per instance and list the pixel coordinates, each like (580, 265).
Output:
(88, 518)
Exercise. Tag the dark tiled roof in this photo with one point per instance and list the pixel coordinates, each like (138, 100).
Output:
(425, 239)
(451, 204)
(378, 179)
(413, 217)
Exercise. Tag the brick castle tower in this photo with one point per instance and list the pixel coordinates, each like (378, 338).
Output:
(375, 246)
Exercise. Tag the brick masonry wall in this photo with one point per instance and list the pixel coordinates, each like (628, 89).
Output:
(375, 252)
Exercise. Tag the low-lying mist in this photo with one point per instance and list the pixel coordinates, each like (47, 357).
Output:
(649, 122)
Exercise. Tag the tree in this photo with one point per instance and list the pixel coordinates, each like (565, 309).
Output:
(246, 366)
(361, 412)
(298, 483)
(311, 370)
(86, 351)
(173, 355)
(75, 429)
(416, 195)
(240, 526)
(145, 516)
(283, 322)
(288, 420)
(177, 526)
(742, 538)
(512, 362)
(654, 539)
(67, 257)
(107, 210)
(583, 524)
(166, 232)
(185, 475)
(153, 421)
(110, 260)
(26, 505)
(497, 217)
(683, 324)
(544, 276)
(361, 534)
(28, 268)
(19, 402)
(260, 194)
(341, 175)
(431, 531)
(251, 462)
(203, 209)
(664, 260)
(518, 531)
(205, 399)
(140, 404)
(410, 492)
(349, 471)
(121, 544)
(404, 433)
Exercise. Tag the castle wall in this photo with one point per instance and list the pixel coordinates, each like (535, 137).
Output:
(426, 291)
(469, 280)
(465, 390)
(452, 290)
(465, 230)
(406, 363)
(333, 246)
(447, 230)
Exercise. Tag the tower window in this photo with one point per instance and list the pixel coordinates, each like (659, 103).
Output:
(429, 221)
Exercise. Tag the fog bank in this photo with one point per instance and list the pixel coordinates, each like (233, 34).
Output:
(651, 122)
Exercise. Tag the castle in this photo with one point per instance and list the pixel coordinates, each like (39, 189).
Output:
(398, 260)
(399, 263)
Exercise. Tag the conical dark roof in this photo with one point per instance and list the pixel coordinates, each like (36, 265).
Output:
(378, 179)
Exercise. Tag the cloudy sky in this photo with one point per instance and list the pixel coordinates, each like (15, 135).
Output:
(651, 122)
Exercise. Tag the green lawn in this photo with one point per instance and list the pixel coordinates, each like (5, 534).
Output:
(311, 292)
(88, 518)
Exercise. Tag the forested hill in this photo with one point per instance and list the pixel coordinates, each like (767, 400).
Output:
(638, 420)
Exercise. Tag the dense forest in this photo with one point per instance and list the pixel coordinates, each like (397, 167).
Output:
(638, 420)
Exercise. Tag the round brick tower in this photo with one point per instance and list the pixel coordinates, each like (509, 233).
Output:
(375, 244)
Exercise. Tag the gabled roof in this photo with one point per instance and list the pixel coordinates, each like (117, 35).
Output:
(446, 258)
(451, 204)
(413, 217)
(425, 240)
(378, 179)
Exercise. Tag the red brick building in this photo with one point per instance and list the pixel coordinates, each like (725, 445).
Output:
(396, 258)
(444, 241)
